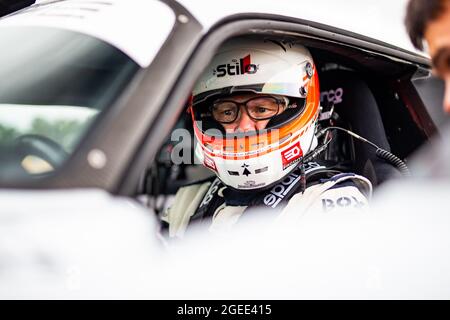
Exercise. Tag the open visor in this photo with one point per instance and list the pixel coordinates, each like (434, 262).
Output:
(211, 112)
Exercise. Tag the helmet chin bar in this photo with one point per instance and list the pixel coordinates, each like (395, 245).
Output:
(243, 166)
(260, 168)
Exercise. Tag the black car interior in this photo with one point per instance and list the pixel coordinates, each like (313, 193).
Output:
(362, 91)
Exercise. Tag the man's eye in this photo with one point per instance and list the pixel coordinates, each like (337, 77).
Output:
(261, 109)
(227, 112)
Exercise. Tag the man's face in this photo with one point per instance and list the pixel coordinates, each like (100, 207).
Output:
(244, 121)
(437, 35)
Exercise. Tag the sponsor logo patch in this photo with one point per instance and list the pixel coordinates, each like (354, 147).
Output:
(250, 184)
(342, 202)
(291, 155)
(332, 96)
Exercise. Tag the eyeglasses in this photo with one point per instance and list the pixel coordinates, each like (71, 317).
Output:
(257, 108)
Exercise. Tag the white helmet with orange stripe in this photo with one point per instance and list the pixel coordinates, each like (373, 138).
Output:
(284, 87)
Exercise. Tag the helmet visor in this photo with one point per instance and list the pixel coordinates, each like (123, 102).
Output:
(217, 113)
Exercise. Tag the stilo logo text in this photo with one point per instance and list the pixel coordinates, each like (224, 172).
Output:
(236, 67)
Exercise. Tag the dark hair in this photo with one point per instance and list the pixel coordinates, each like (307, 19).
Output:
(418, 14)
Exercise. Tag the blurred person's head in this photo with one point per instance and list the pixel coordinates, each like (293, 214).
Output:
(255, 109)
(429, 21)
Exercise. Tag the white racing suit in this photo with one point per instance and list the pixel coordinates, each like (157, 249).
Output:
(326, 190)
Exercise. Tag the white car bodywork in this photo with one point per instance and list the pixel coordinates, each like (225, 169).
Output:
(87, 244)
(381, 20)
(69, 244)
(99, 19)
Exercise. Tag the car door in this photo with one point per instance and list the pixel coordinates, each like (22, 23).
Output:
(116, 61)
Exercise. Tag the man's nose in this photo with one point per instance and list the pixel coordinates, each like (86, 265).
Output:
(447, 95)
(246, 123)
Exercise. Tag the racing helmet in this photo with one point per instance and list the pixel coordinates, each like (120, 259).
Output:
(284, 72)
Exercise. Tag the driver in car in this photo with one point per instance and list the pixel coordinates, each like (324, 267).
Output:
(255, 111)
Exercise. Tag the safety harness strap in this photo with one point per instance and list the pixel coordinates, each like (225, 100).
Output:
(275, 198)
